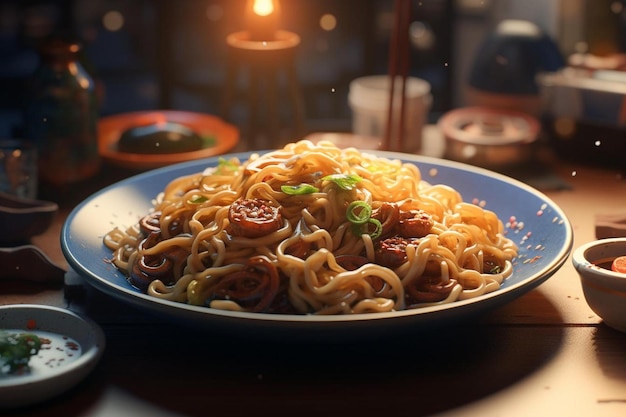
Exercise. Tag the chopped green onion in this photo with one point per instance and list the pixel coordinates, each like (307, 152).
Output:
(224, 166)
(378, 228)
(298, 189)
(198, 199)
(360, 228)
(358, 212)
(495, 270)
(344, 181)
(16, 350)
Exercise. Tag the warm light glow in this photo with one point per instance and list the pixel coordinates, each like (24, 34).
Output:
(214, 12)
(328, 22)
(263, 7)
(261, 19)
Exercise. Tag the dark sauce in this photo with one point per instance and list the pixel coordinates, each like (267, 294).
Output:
(159, 138)
(605, 263)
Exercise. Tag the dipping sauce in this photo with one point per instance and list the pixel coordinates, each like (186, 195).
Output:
(617, 264)
(159, 138)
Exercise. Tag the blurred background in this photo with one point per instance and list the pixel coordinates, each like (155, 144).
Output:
(162, 54)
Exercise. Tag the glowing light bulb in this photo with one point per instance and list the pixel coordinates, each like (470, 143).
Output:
(262, 17)
(263, 7)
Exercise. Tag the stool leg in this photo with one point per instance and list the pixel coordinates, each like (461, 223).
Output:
(229, 89)
(253, 103)
(272, 110)
(297, 99)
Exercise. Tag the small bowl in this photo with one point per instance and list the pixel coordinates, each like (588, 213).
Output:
(489, 137)
(605, 290)
(21, 218)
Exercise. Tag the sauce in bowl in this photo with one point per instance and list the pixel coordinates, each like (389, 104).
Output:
(159, 138)
(617, 264)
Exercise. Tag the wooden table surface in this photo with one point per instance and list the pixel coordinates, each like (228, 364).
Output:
(544, 354)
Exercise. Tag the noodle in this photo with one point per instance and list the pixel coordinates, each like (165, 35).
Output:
(313, 229)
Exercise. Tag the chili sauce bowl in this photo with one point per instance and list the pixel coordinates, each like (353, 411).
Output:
(604, 289)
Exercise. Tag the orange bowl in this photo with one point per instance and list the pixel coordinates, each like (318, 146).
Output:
(110, 129)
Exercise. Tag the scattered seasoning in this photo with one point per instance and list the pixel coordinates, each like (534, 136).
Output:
(512, 221)
(478, 202)
(532, 260)
(71, 345)
(31, 324)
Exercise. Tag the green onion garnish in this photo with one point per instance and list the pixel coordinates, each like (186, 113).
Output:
(495, 270)
(198, 199)
(298, 189)
(344, 181)
(225, 167)
(358, 212)
(378, 228)
(359, 229)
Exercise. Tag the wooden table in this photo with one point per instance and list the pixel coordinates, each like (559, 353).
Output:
(544, 354)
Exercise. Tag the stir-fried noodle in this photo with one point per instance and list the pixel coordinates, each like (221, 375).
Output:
(312, 228)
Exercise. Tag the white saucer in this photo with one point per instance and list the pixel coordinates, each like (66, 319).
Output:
(77, 344)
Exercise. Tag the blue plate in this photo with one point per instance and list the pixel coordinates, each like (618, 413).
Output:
(534, 222)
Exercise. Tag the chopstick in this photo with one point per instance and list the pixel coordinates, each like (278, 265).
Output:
(398, 64)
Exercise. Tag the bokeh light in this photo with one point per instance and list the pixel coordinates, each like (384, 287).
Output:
(113, 21)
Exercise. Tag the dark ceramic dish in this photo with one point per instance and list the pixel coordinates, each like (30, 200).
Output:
(21, 219)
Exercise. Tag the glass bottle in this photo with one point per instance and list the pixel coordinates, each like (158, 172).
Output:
(61, 116)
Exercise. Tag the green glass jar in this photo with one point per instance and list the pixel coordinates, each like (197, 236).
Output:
(61, 116)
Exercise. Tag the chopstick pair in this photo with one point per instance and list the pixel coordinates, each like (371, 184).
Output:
(398, 64)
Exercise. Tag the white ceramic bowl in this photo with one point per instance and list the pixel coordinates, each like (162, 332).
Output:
(54, 370)
(605, 290)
